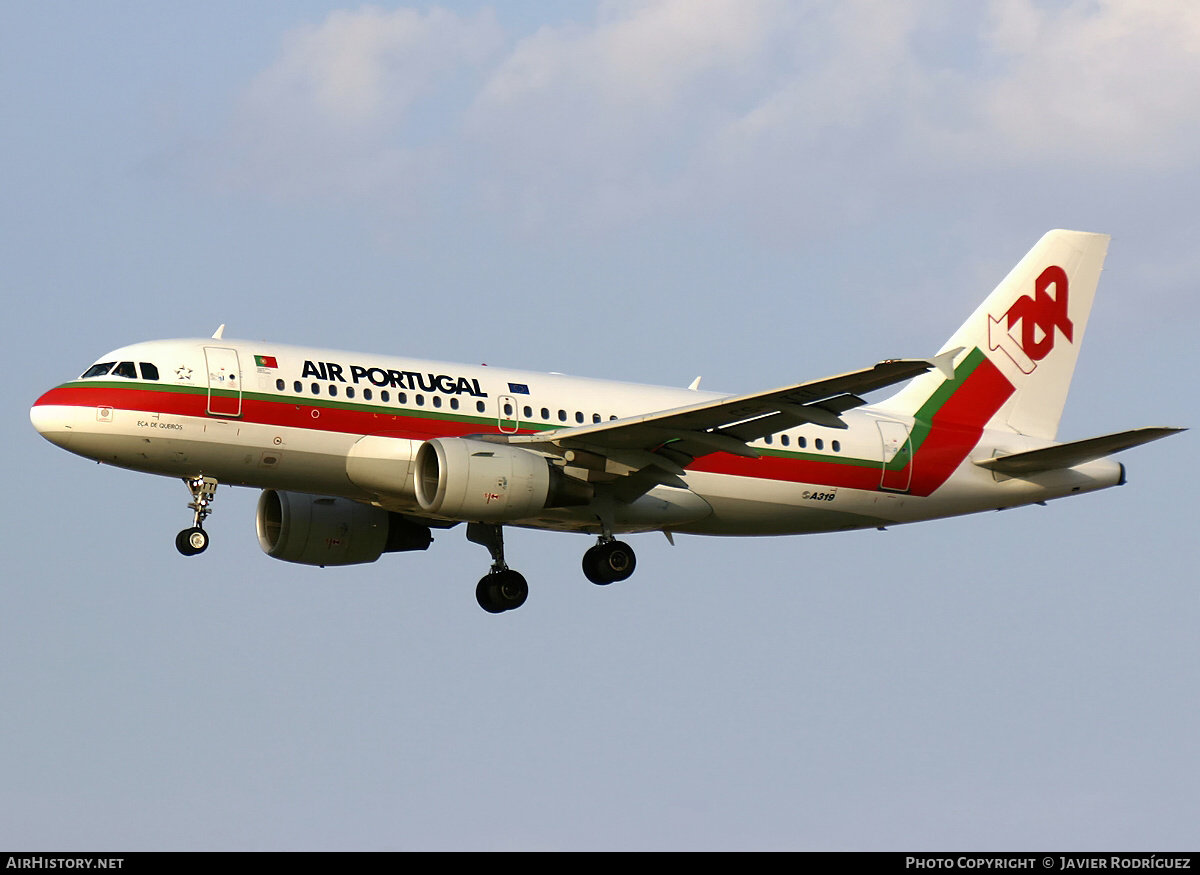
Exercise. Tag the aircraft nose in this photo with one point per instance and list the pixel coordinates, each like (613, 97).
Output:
(54, 422)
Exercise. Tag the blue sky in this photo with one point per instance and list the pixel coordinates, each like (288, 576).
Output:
(755, 192)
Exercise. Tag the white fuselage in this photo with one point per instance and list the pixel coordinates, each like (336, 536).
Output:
(348, 424)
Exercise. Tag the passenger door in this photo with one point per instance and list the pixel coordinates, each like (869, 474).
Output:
(897, 456)
(224, 381)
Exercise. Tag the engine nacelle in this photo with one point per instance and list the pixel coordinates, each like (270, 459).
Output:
(323, 530)
(468, 479)
(382, 465)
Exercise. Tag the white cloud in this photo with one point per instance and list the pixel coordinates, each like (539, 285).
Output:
(670, 106)
(357, 67)
(1109, 82)
(331, 114)
(639, 53)
(600, 120)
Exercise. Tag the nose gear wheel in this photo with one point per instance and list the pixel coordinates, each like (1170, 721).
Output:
(191, 541)
(194, 540)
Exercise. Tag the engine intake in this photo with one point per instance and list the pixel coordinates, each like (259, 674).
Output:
(323, 530)
(470, 479)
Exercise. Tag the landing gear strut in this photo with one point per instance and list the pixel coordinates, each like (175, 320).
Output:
(608, 562)
(501, 589)
(191, 541)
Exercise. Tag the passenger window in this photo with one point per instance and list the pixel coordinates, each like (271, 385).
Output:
(479, 406)
(802, 442)
(332, 391)
(150, 372)
(279, 384)
(820, 444)
(562, 416)
(785, 440)
(545, 413)
(125, 369)
(420, 400)
(508, 409)
(97, 370)
(385, 396)
(316, 388)
(528, 412)
(578, 416)
(768, 439)
(401, 398)
(595, 417)
(837, 447)
(367, 395)
(454, 404)
(349, 391)
(437, 400)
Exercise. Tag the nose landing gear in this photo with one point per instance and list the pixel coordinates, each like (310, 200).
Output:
(194, 540)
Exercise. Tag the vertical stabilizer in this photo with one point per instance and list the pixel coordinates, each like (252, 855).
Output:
(1020, 346)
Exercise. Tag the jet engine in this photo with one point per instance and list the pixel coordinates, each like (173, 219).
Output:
(475, 480)
(322, 530)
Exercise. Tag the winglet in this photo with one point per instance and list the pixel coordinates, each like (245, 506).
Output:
(945, 361)
(217, 335)
(695, 384)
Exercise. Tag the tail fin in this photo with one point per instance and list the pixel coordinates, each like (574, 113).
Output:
(1020, 346)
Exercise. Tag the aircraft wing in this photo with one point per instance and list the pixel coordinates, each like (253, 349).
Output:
(669, 439)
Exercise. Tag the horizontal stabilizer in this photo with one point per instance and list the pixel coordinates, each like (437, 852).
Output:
(1074, 453)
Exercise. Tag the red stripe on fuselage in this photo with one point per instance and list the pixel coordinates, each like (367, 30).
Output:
(284, 412)
(954, 430)
(958, 425)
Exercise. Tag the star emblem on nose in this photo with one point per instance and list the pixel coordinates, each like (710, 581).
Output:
(183, 372)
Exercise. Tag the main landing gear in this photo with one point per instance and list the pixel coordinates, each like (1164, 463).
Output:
(191, 541)
(609, 561)
(501, 589)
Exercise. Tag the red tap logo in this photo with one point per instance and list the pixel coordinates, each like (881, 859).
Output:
(1039, 316)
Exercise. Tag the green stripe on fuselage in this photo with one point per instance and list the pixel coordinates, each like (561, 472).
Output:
(921, 427)
(923, 423)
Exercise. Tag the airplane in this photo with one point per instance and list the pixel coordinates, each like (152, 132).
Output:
(359, 455)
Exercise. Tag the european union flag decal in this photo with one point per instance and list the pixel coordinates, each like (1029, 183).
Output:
(518, 388)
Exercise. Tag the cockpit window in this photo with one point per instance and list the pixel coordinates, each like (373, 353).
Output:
(98, 370)
(125, 369)
(149, 371)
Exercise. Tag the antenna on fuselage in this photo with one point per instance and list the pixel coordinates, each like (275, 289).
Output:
(219, 332)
